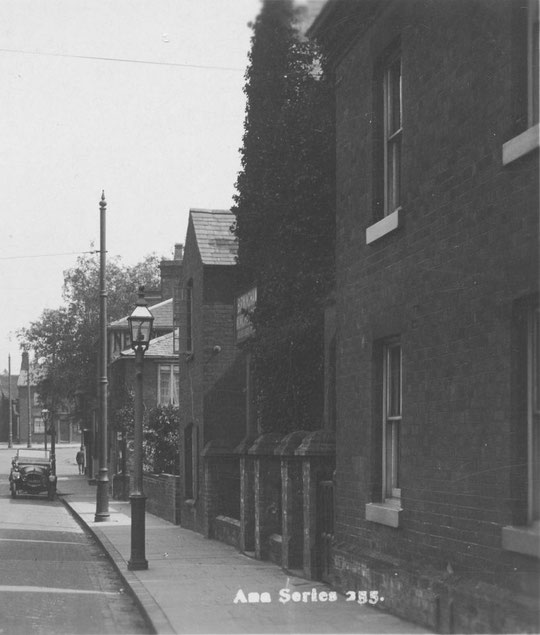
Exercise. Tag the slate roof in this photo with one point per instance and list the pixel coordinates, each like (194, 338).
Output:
(217, 244)
(162, 346)
(162, 312)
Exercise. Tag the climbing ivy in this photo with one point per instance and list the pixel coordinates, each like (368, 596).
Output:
(284, 210)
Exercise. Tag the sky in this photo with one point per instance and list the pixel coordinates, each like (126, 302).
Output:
(141, 99)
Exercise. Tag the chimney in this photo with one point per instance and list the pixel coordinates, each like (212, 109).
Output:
(24, 363)
(170, 272)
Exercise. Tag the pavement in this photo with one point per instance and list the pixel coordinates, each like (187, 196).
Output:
(197, 585)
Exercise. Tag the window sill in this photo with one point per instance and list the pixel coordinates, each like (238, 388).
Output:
(521, 145)
(386, 513)
(384, 226)
(524, 540)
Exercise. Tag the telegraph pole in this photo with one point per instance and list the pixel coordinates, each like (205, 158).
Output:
(10, 443)
(28, 382)
(102, 494)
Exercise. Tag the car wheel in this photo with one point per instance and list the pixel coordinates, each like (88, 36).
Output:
(52, 492)
(13, 491)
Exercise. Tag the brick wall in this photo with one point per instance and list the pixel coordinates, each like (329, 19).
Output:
(163, 496)
(446, 282)
(212, 379)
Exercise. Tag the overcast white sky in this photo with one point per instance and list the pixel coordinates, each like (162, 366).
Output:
(158, 137)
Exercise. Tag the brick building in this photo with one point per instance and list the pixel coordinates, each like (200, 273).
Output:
(8, 390)
(437, 329)
(212, 417)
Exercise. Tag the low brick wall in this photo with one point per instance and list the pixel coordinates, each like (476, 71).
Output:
(163, 496)
(227, 530)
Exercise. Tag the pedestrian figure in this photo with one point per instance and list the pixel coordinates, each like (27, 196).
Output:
(80, 460)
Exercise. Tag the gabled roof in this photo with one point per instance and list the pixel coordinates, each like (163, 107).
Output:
(162, 312)
(217, 244)
(162, 346)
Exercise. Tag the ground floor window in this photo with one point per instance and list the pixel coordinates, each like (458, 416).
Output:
(392, 403)
(533, 415)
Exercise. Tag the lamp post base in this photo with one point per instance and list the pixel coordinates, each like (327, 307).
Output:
(138, 560)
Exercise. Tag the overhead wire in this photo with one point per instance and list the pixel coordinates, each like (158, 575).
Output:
(121, 59)
(67, 253)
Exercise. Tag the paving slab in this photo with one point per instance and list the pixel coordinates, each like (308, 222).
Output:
(197, 585)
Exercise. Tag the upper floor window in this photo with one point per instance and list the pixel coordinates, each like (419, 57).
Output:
(189, 316)
(168, 384)
(527, 103)
(533, 67)
(392, 133)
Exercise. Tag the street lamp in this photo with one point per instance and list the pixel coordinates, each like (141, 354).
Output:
(140, 325)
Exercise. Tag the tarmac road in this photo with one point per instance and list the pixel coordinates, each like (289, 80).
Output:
(54, 578)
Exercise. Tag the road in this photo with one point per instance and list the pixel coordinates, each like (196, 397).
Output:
(54, 578)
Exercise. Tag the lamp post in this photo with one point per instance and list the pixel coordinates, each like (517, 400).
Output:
(140, 325)
(102, 494)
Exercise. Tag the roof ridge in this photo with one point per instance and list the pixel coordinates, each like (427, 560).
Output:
(206, 210)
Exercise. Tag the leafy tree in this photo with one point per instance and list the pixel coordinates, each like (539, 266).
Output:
(66, 340)
(285, 217)
(161, 440)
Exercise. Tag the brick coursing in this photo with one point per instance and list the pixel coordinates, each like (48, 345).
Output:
(211, 382)
(448, 283)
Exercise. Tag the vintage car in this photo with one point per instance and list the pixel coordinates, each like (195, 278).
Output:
(32, 472)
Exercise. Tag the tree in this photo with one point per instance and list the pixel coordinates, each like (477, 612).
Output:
(66, 339)
(285, 217)
(161, 440)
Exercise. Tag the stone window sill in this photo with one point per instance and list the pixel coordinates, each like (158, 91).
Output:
(521, 145)
(386, 513)
(384, 226)
(524, 540)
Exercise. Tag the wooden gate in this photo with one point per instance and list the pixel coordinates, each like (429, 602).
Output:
(325, 527)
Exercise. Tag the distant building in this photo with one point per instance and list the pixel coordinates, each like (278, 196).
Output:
(7, 392)
(212, 415)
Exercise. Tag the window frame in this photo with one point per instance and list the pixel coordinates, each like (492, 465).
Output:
(392, 135)
(387, 509)
(533, 63)
(529, 139)
(533, 417)
(388, 142)
(391, 424)
(525, 539)
(173, 371)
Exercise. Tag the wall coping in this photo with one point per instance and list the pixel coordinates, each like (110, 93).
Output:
(244, 445)
(217, 447)
(265, 444)
(290, 443)
(318, 443)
